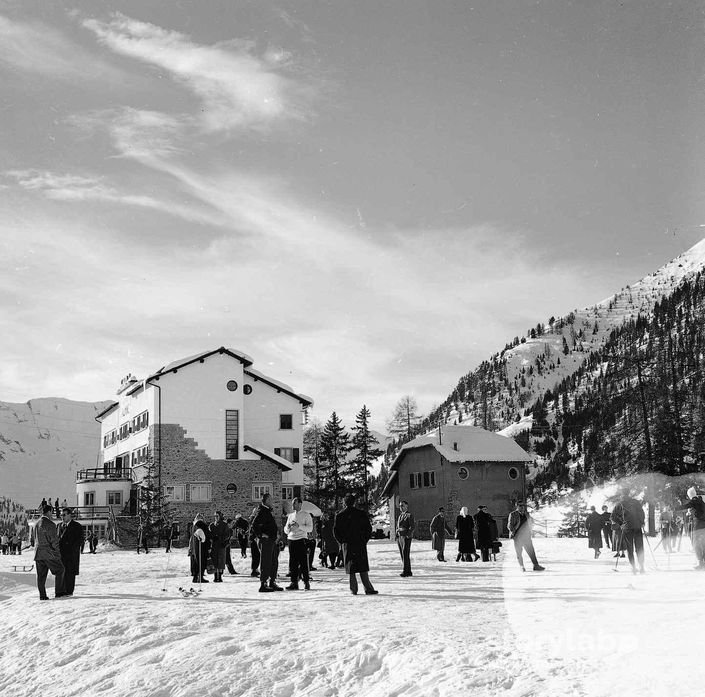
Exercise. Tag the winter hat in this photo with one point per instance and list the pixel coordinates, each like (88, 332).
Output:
(692, 493)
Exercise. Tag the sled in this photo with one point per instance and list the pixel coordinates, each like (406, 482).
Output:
(22, 567)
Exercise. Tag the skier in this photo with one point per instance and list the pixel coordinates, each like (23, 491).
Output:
(220, 538)
(697, 506)
(520, 527)
(628, 514)
(593, 525)
(606, 527)
(297, 528)
(199, 548)
(265, 531)
(352, 529)
(254, 548)
(241, 527)
(485, 536)
(438, 529)
(405, 533)
(464, 528)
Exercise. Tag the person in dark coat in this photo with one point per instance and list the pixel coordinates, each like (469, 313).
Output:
(71, 538)
(47, 556)
(266, 532)
(353, 530)
(330, 549)
(228, 547)
(220, 539)
(464, 533)
(628, 514)
(606, 527)
(483, 526)
(241, 528)
(696, 505)
(199, 549)
(405, 533)
(593, 525)
(438, 529)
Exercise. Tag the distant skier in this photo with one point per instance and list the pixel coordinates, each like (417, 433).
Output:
(628, 514)
(696, 505)
(667, 529)
(220, 539)
(606, 527)
(593, 525)
(520, 527)
(241, 528)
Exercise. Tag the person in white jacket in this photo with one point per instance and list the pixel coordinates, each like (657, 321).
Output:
(297, 528)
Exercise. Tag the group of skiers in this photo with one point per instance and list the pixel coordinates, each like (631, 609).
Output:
(210, 545)
(623, 529)
(11, 544)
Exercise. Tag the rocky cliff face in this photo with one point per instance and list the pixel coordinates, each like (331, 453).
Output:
(43, 443)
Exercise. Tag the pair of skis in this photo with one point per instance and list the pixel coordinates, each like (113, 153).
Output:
(189, 592)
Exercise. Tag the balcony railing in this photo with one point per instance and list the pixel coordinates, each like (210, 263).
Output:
(103, 473)
(82, 512)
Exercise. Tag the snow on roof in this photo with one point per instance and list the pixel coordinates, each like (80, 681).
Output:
(468, 444)
(307, 401)
(276, 459)
(243, 357)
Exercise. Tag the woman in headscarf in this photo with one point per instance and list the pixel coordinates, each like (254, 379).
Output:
(464, 529)
(199, 549)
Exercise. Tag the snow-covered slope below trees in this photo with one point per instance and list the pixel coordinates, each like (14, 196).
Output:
(43, 443)
(498, 392)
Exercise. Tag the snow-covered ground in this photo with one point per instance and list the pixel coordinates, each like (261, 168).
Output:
(578, 628)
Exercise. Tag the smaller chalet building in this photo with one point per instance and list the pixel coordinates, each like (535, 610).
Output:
(453, 467)
(219, 435)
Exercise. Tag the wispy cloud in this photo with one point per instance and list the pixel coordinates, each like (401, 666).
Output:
(38, 48)
(237, 88)
(76, 188)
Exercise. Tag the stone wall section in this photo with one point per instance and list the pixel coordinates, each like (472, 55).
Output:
(183, 463)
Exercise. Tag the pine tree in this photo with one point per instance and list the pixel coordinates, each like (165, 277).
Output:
(573, 524)
(335, 445)
(152, 505)
(367, 451)
(313, 455)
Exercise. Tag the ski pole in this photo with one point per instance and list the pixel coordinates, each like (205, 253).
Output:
(166, 573)
(653, 556)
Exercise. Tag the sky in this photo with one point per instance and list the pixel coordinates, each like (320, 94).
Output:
(367, 198)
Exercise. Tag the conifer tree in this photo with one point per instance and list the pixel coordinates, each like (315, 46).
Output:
(404, 418)
(335, 445)
(367, 450)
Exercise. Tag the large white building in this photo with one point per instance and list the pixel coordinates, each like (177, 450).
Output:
(218, 432)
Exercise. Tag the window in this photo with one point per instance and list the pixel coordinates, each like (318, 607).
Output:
(200, 491)
(286, 422)
(513, 473)
(231, 434)
(114, 498)
(231, 385)
(290, 454)
(89, 498)
(124, 431)
(463, 472)
(259, 489)
(247, 389)
(422, 479)
(231, 489)
(287, 493)
(174, 493)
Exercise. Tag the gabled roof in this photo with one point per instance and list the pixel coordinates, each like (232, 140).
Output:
(107, 410)
(266, 455)
(175, 365)
(282, 387)
(474, 444)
